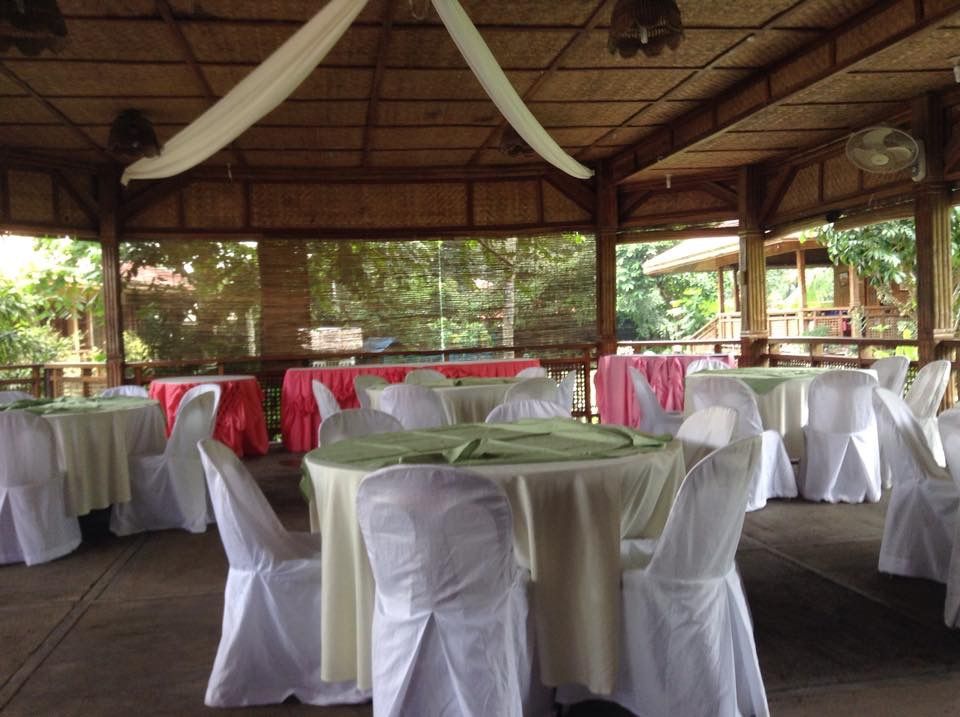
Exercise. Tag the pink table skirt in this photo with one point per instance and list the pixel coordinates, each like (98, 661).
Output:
(299, 418)
(665, 373)
(240, 420)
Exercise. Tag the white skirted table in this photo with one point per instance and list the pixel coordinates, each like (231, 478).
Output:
(465, 400)
(575, 489)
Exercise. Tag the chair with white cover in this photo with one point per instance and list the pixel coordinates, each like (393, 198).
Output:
(538, 389)
(126, 390)
(654, 418)
(949, 425)
(422, 376)
(567, 388)
(919, 528)
(414, 406)
(356, 422)
(526, 408)
(211, 388)
(11, 396)
(451, 634)
(327, 403)
(841, 455)
(924, 397)
(364, 381)
(167, 490)
(776, 478)
(705, 431)
(532, 372)
(706, 364)
(892, 373)
(270, 641)
(34, 526)
(687, 646)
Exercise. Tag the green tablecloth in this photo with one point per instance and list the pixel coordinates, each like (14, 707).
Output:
(763, 380)
(70, 404)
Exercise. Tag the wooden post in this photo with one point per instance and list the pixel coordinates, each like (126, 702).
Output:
(931, 209)
(802, 277)
(109, 199)
(753, 278)
(607, 225)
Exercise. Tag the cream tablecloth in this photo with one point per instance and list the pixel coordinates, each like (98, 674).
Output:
(465, 400)
(569, 518)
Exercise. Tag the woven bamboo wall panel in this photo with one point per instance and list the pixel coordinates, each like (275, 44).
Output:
(883, 24)
(496, 157)
(800, 71)
(421, 157)
(577, 136)
(868, 86)
(31, 196)
(608, 84)
(663, 112)
(694, 159)
(71, 213)
(669, 202)
(505, 203)
(840, 116)
(161, 111)
(824, 13)
(327, 206)
(39, 137)
(23, 110)
(696, 126)
(427, 137)
(521, 12)
(127, 8)
(709, 84)
(754, 95)
(625, 136)
(211, 205)
(318, 113)
(513, 48)
(339, 83)
(803, 191)
(773, 139)
(296, 10)
(570, 114)
(732, 14)
(100, 79)
(840, 178)
(873, 180)
(926, 53)
(776, 43)
(398, 112)
(699, 48)
(164, 213)
(444, 84)
(302, 158)
(302, 138)
(91, 38)
(557, 207)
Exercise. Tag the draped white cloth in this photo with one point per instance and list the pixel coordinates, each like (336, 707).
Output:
(281, 73)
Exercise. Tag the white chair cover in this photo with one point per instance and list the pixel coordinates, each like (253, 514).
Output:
(212, 388)
(421, 376)
(687, 646)
(270, 643)
(168, 490)
(706, 364)
(776, 478)
(539, 389)
(527, 408)
(34, 526)
(414, 406)
(356, 422)
(892, 373)
(919, 528)
(327, 403)
(451, 630)
(924, 397)
(704, 432)
(126, 390)
(655, 419)
(567, 387)
(532, 372)
(11, 396)
(364, 381)
(841, 457)
(949, 426)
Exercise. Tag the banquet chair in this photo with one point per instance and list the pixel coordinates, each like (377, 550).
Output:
(532, 372)
(841, 455)
(211, 388)
(167, 490)
(452, 633)
(34, 526)
(356, 422)
(526, 408)
(126, 390)
(654, 418)
(687, 646)
(327, 403)
(364, 381)
(924, 397)
(567, 388)
(540, 389)
(918, 531)
(706, 364)
(270, 643)
(422, 376)
(414, 406)
(11, 396)
(892, 373)
(948, 424)
(705, 431)
(776, 478)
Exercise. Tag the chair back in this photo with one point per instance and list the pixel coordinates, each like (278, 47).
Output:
(362, 382)
(356, 422)
(904, 449)
(532, 372)
(699, 540)
(11, 396)
(926, 391)
(526, 408)
(892, 372)
(327, 403)
(195, 420)
(28, 449)
(568, 387)
(841, 402)
(422, 376)
(706, 364)
(539, 389)
(948, 424)
(414, 406)
(127, 390)
(733, 393)
(705, 431)
(650, 407)
(211, 388)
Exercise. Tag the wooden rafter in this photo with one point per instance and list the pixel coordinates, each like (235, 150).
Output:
(153, 193)
(631, 203)
(575, 190)
(86, 201)
(776, 193)
(383, 45)
(724, 194)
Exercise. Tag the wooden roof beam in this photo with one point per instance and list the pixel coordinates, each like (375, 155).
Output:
(383, 44)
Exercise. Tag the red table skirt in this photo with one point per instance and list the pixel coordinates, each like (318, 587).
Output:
(240, 420)
(665, 373)
(299, 418)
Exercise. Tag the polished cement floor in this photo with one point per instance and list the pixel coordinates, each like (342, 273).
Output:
(130, 626)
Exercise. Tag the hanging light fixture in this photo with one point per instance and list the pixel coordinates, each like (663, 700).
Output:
(646, 25)
(513, 145)
(132, 136)
(31, 26)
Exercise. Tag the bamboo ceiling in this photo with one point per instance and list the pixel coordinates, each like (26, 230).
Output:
(751, 81)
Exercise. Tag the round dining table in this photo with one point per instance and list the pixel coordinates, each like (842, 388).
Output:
(240, 421)
(465, 400)
(575, 489)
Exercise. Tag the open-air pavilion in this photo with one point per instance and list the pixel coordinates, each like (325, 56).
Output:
(392, 140)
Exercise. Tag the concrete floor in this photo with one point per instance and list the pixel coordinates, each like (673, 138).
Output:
(130, 625)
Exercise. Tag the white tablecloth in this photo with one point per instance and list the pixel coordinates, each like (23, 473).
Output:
(462, 404)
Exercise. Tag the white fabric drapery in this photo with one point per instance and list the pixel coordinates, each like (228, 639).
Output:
(281, 73)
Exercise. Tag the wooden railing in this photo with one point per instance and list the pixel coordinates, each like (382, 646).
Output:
(688, 346)
(873, 322)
